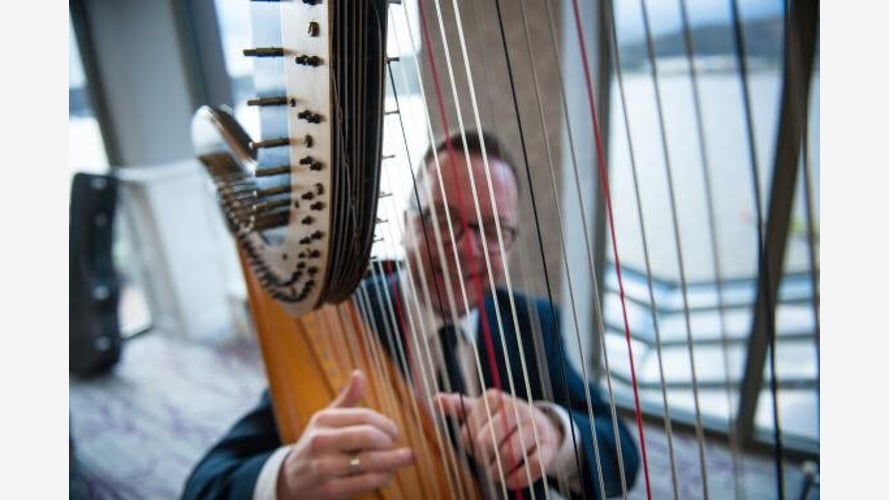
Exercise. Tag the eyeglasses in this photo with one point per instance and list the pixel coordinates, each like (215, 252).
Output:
(458, 223)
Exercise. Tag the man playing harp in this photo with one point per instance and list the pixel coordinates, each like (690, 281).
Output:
(347, 450)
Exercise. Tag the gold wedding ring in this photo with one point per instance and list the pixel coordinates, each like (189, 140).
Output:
(354, 465)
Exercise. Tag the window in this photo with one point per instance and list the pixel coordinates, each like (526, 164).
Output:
(86, 153)
(690, 342)
(86, 149)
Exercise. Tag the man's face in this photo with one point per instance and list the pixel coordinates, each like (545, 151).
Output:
(452, 194)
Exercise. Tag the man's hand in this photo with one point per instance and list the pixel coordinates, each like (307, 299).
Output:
(320, 464)
(481, 434)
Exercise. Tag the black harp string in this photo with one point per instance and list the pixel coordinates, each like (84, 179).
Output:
(436, 230)
(398, 319)
(451, 459)
(448, 456)
(522, 270)
(560, 224)
(507, 274)
(764, 276)
(496, 306)
(535, 327)
(540, 236)
(668, 422)
(699, 427)
(401, 311)
(580, 197)
(734, 445)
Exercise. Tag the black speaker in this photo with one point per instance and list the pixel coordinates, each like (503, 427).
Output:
(94, 284)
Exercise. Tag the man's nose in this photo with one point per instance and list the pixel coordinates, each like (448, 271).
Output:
(471, 242)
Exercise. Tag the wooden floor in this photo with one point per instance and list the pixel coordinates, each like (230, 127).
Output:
(139, 430)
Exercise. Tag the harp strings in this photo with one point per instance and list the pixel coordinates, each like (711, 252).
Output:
(451, 154)
(418, 327)
(424, 368)
(501, 249)
(532, 57)
(603, 176)
(615, 51)
(734, 445)
(460, 286)
(436, 231)
(524, 266)
(677, 241)
(561, 239)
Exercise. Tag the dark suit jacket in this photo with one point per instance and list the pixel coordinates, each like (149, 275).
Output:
(230, 468)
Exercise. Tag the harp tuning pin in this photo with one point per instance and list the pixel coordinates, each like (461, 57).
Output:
(279, 170)
(385, 195)
(273, 191)
(388, 157)
(271, 143)
(264, 52)
(270, 101)
(314, 29)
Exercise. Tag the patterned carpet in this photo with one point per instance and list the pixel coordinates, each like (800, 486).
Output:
(138, 430)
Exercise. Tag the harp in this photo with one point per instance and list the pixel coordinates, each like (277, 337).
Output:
(303, 203)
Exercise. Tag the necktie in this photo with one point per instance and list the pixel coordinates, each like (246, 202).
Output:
(448, 336)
